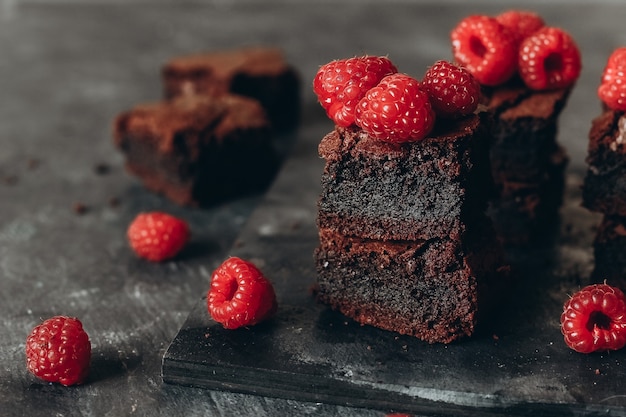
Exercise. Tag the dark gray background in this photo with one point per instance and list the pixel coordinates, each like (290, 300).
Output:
(67, 68)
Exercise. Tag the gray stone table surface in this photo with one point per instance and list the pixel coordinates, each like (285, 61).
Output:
(67, 68)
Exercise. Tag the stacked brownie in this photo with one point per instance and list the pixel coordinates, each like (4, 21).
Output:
(527, 162)
(604, 191)
(405, 244)
(211, 138)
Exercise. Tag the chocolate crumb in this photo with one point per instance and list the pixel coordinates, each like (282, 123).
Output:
(239, 243)
(9, 179)
(80, 208)
(33, 163)
(102, 169)
(114, 202)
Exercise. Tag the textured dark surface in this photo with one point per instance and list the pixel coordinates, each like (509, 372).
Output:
(68, 68)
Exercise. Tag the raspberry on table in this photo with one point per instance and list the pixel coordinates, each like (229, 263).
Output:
(59, 350)
(453, 90)
(487, 48)
(396, 110)
(594, 319)
(549, 59)
(521, 23)
(240, 295)
(340, 84)
(612, 89)
(157, 236)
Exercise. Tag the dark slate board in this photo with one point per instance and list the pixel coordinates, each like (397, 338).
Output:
(519, 365)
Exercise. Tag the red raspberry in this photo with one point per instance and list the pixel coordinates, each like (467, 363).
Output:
(549, 59)
(486, 48)
(594, 319)
(612, 90)
(58, 350)
(453, 90)
(157, 236)
(340, 85)
(240, 295)
(521, 23)
(396, 110)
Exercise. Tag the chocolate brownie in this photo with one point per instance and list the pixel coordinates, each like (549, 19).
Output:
(524, 130)
(609, 249)
(437, 289)
(410, 191)
(604, 187)
(525, 211)
(257, 72)
(198, 150)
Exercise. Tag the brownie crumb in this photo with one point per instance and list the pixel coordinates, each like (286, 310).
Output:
(114, 202)
(9, 179)
(80, 208)
(33, 163)
(102, 169)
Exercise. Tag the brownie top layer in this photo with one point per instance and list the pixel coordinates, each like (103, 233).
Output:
(514, 100)
(356, 142)
(223, 64)
(608, 131)
(161, 121)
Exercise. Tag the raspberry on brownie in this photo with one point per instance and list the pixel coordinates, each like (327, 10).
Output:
(404, 241)
(527, 162)
(257, 72)
(198, 150)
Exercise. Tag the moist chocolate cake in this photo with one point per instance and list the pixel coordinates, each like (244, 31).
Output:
(436, 289)
(421, 190)
(198, 150)
(604, 188)
(257, 72)
(527, 162)
(405, 244)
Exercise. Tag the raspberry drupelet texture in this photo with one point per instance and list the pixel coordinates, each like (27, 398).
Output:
(240, 295)
(157, 236)
(340, 84)
(521, 23)
(612, 89)
(487, 48)
(594, 319)
(396, 110)
(549, 59)
(59, 350)
(453, 90)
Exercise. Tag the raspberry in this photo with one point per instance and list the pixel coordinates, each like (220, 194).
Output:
(340, 84)
(549, 59)
(521, 23)
(612, 90)
(157, 236)
(486, 48)
(453, 90)
(594, 319)
(240, 295)
(58, 350)
(396, 110)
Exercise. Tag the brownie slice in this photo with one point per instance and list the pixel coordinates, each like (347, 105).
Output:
(604, 187)
(257, 72)
(525, 211)
(609, 249)
(437, 289)
(410, 191)
(198, 150)
(524, 130)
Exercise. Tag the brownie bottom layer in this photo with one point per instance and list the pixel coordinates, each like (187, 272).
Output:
(434, 290)
(610, 252)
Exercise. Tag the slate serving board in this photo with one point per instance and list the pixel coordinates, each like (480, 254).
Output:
(518, 365)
